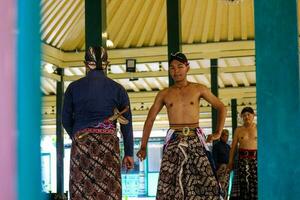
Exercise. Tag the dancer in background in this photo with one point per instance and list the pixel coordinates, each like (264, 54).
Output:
(245, 141)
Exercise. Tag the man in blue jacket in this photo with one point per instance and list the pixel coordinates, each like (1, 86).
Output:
(221, 158)
(92, 106)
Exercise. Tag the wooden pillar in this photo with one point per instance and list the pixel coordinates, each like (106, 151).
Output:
(59, 134)
(214, 90)
(173, 30)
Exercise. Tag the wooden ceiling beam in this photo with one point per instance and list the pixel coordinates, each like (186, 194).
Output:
(63, 59)
(76, 22)
(159, 26)
(231, 21)
(208, 17)
(140, 20)
(224, 94)
(126, 26)
(244, 32)
(66, 11)
(49, 24)
(195, 22)
(154, 74)
(150, 23)
(67, 28)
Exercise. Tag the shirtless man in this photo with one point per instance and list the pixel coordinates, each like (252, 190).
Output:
(186, 171)
(245, 139)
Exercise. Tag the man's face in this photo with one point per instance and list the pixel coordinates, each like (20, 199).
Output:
(178, 70)
(224, 136)
(247, 117)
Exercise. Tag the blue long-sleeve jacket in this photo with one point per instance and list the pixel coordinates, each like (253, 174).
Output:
(92, 99)
(221, 153)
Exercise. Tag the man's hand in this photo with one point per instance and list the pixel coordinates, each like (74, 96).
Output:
(229, 167)
(141, 154)
(212, 137)
(209, 138)
(128, 163)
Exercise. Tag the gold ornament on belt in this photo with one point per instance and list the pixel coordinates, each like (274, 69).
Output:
(185, 131)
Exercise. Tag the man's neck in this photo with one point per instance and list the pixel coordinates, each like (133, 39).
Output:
(248, 125)
(181, 84)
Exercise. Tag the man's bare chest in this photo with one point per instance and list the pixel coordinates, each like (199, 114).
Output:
(181, 99)
(248, 134)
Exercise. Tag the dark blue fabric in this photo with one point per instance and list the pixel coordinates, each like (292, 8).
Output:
(91, 100)
(221, 153)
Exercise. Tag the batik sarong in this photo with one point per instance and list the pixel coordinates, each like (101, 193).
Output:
(248, 174)
(186, 172)
(95, 170)
(223, 177)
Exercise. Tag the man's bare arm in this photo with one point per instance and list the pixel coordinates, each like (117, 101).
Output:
(233, 149)
(154, 110)
(217, 104)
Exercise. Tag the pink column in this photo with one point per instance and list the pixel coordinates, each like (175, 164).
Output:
(7, 100)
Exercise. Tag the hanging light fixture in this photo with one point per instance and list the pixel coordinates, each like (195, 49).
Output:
(109, 44)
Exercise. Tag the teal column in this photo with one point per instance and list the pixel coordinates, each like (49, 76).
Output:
(95, 23)
(214, 90)
(59, 134)
(28, 100)
(173, 29)
(278, 89)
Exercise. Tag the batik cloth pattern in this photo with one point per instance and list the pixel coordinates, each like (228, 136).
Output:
(248, 174)
(95, 170)
(223, 178)
(186, 172)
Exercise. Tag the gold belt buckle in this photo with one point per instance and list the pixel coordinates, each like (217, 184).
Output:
(185, 131)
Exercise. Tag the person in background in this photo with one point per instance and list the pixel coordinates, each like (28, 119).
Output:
(245, 141)
(221, 158)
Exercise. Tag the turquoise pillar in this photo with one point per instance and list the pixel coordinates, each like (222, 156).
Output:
(28, 100)
(278, 85)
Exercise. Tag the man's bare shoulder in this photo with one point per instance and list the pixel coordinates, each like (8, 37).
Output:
(163, 91)
(238, 129)
(196, 84)
(199, 86)
(161, 94)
